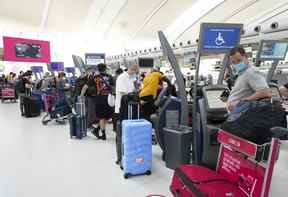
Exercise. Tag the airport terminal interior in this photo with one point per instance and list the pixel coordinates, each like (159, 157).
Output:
(143, 98)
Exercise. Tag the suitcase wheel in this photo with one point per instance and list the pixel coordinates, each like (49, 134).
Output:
(121, 167)
(148, 173)
(45, 122)
(127, 175)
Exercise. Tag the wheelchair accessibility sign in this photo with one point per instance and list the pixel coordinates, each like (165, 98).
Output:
(219, 41)
(219, 38)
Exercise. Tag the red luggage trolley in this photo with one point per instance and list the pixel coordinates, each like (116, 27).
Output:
(244, 169)
(8, 93)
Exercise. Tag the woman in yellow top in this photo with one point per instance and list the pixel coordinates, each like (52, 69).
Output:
(149, 91)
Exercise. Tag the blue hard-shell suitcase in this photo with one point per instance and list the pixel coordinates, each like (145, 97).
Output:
(137, 147)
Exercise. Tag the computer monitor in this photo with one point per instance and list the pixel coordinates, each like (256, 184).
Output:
(146, 62)
(272, 50)
(213, 99)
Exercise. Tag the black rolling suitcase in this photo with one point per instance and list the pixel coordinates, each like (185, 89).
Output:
(31, 107)
(130, 109)
(78, 121)
(78, 126)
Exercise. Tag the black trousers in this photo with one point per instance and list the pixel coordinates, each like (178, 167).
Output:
(148, 107)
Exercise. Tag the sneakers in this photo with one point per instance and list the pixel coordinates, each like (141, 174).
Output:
(95, 132)
(103, 137)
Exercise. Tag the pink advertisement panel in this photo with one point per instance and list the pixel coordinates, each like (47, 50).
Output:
(26, 50)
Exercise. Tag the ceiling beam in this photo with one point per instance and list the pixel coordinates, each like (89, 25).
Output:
(45, 14)
(149, 18)
(108, 29)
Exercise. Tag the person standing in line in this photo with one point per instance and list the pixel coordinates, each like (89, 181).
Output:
(104, 86)
(89, 92)
(24, 88)
(124, 86)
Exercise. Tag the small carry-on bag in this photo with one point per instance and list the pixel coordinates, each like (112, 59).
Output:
(78, 121)
(31, 107)
(78, 128)
(137, 146)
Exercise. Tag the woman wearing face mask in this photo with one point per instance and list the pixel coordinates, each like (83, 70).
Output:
(250, 84)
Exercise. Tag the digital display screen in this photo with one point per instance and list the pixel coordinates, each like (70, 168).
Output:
(273, 50)
(70, 69)
(28, 50)
(37, 69)
(219, 38)
(56, 66)
(146, 62)
(213, 98)
(93, 59)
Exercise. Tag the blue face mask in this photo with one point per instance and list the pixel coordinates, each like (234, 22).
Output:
(239, 68)
(133, 77)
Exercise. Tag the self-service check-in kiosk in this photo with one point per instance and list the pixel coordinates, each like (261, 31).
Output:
(209, 111)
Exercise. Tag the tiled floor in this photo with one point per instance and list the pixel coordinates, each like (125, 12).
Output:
(42, 161)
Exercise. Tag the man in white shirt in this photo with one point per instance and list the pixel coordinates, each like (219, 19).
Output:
(124, 85)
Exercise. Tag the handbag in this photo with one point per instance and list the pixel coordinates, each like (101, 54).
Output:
(111, 100)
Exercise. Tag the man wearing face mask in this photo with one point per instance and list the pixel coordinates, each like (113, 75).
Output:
(125, 84)
(250, 84)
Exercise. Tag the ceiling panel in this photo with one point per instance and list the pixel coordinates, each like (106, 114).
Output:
(166, 16)
(67, 15)
(28, 12)
(253, 11)
(217, 15)
(131, 18)
(244, 11)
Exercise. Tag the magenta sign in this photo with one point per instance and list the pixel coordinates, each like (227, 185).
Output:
(26, 50)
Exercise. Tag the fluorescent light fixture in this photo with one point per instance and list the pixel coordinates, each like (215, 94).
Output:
(191, 16)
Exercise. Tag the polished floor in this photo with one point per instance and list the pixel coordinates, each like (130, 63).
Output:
(38, 160)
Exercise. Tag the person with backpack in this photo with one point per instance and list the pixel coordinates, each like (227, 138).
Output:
(23, 87)
(104, 86)
(89, 92)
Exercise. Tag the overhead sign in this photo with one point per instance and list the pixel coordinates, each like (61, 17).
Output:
(93, 59)
(37, 69)
(56, 66)
(70, 69)
(219, 38)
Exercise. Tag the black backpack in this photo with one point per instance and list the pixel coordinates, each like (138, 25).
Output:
(255, 123)
(19, 86)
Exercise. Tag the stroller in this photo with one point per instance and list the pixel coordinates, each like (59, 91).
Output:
(56, 106)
